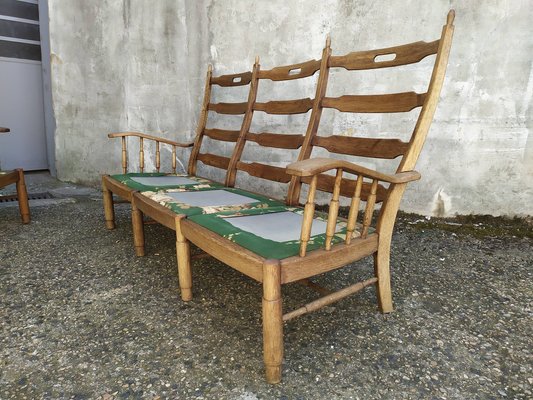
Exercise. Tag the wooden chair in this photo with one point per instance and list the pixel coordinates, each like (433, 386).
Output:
(126, 184)
(172, 218)
(244, 240)
(17, 177)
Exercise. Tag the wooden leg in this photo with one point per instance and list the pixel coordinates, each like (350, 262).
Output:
(138, 229)
(382, 272)
(109, 209)
(272, 321)
(22, 195)
(183, 254)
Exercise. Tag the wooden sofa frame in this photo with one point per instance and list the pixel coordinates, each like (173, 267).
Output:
(370, 187)
(17, 177)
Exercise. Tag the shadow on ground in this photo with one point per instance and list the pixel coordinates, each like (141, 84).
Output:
(83, 318)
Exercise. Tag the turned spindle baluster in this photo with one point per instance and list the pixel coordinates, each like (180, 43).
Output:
(369, 209)
(124, 156)
(173, 159)
(354, 210)
(141, 154)
(333, 209)
(157, 157)
(309, 212)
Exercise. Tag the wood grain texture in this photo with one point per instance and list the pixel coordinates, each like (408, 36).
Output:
(228, 108)
(241, 79)
(264, 171)
(405, 54)
(379, 103)
(149, 137)
(285, 107)
(362, 147)
(326, 183)
(288, 72)
(222, 134)
(276, 140)
(214, 160)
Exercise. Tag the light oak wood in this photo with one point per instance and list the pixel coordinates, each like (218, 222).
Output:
(222, 135)
(109, 209)
(334, 209)
(294, 71)
(233, 79)
(285, 107)
(354, 209)
(214, 160)
(157, 157)
(228, 108)
(379, 103)
(138, 230)
(184, 262)
(272, 321)
(264, 171)
(276, 140)
(309, 214)
(362, 147)
(369, 209)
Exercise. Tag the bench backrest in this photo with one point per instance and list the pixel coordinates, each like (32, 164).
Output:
(383, 103)
(223, 135)
(289, 141)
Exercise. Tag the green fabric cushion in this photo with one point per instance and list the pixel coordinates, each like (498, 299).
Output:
(164, 197)
(267, 248)
(200, 183)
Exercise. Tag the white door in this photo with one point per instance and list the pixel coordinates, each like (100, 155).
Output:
(21, 87)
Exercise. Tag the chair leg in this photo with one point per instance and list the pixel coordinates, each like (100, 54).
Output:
(183, 254)
(382, 272)
(22, 195)
(272, 321)
(138, 229)
(109, 209)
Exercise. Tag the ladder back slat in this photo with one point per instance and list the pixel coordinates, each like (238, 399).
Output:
(362, 147)
(222, 134)
(232, 80)
(300, 106)
(380, 103)
(276, 140)
(294, 71)
(264, 171)
(214, 160)
(228, 108)
(386, 57)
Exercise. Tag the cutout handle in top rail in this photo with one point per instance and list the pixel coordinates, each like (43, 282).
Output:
(228, 108)
(380, 103)
(362, 147)
(232, 80)
(214, 160)
(222, 134)
(300, 106)
(276, 140)
(288, 72)
(264, 171)
(388, 57)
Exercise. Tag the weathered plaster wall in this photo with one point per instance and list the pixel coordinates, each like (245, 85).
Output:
(139, 65)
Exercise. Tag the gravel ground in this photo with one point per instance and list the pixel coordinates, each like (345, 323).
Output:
(83, 318)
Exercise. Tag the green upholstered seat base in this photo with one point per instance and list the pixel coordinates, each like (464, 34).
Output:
(138, 181)
(226, 224)
(231, 200)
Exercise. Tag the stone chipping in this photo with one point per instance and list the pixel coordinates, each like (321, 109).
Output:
(83, 318)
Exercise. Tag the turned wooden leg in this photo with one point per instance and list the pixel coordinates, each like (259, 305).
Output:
(138, 229)
(183, 254)
(22, 193)
(109, 209)
(382, 272)
(272, 321)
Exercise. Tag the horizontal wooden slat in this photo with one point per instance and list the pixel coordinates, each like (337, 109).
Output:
(232, 80)
(222, 134)
(288, 72)
(325, 183)
(270, 172)
(228, 108)
(379, 103)
(405, 54)
(276, 140)
(363, 147)
(214, 160)
(299, 106)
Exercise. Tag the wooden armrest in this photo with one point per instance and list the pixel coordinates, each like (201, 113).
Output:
(149, 137)
(315, 166)
(4, 130)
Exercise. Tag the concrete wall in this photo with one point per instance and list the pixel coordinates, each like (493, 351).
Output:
(138, 65)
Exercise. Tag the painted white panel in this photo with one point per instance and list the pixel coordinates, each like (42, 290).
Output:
(21, 110)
